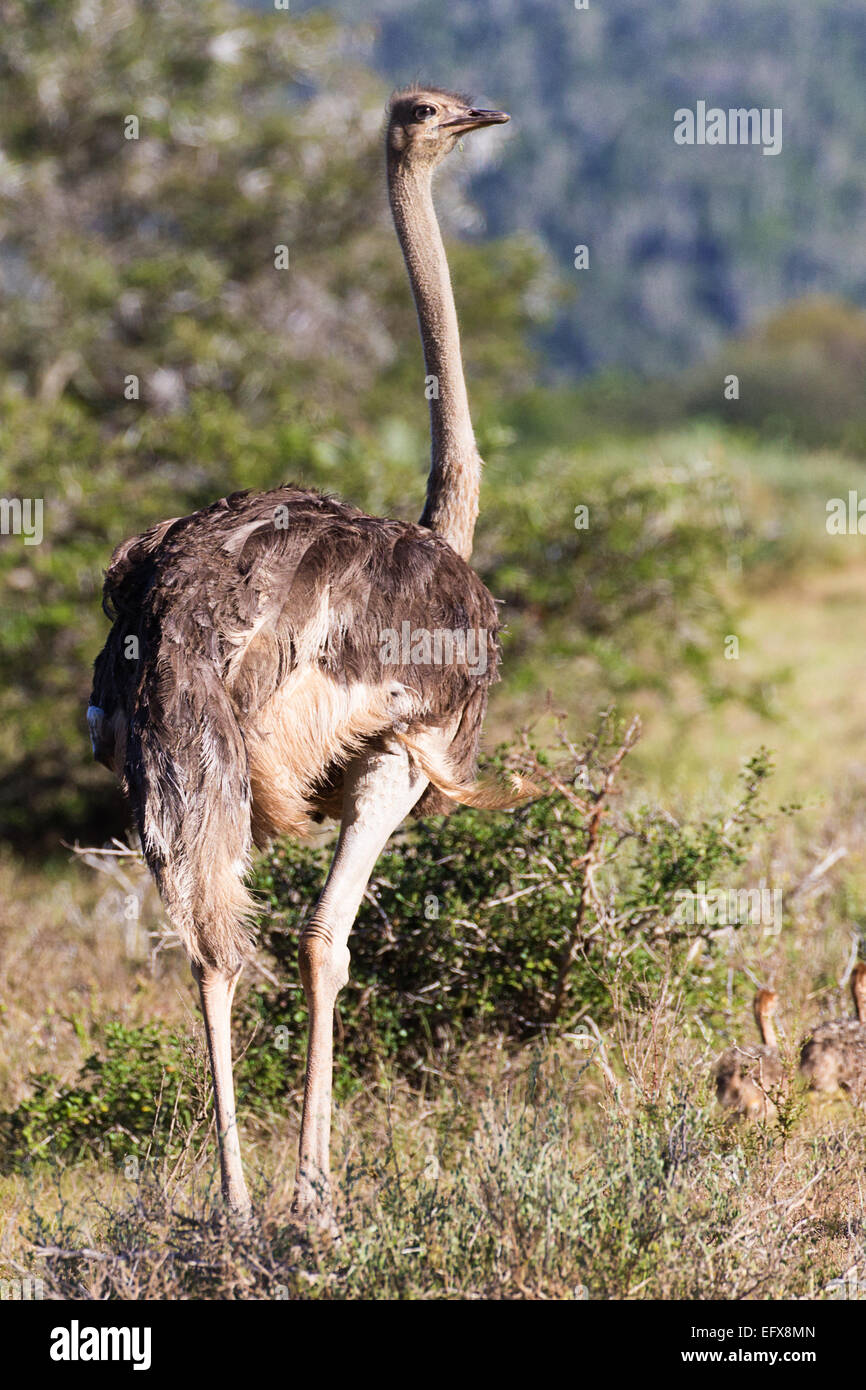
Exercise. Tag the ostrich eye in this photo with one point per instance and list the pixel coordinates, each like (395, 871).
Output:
(423, 113)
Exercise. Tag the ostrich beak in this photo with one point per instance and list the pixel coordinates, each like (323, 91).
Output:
(475, 120)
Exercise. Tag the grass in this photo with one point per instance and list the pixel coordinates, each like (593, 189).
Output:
(523, 1176)
(552, 1170)
(801, 642)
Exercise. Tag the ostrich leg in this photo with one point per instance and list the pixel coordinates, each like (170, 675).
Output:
(380, 790)
(217, 989)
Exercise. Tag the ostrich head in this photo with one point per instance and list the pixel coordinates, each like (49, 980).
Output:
(425, 123)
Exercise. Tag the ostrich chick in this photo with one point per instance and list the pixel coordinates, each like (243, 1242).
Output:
(834, 1057)
(746, 1076)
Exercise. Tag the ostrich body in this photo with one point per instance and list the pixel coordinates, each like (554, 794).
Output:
(250, 684)
(745, 1075)
(834, 1057)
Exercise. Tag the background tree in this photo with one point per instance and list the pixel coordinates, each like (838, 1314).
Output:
(147, 268)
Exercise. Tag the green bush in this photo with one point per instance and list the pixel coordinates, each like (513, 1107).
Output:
(135, 1086)
(471, 920)
(802, 377)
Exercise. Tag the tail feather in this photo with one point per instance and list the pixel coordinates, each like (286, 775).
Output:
(485, 793)
(186, 771)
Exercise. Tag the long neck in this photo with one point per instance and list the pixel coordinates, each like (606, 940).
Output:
(455, 467)
(858, 989)
(768, 1032)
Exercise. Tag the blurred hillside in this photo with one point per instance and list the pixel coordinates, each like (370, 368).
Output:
(687, 245)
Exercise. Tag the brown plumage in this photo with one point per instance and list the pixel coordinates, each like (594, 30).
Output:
(834, 1057)
(748, 1077)
(260, 671)
(279, 657)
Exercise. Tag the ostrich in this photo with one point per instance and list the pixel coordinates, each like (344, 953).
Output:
(833, 1059)
(246, 689)
(744, 1075)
